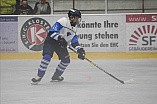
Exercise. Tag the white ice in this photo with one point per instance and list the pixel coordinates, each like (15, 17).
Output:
(83, 84)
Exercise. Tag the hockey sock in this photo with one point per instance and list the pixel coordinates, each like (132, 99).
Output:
(62, 66)
(44, 64)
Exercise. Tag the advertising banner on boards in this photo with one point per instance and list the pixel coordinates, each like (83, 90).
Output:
(8, 34)
(97, 33)
(33, 32)
(103, 33)
(141, 30)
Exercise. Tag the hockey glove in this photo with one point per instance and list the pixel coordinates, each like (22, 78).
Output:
(81, 53)
(62, 42)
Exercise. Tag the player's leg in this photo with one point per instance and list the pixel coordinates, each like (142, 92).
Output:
(60, 70)
(48, 51)
(65, 61)
(42, 68)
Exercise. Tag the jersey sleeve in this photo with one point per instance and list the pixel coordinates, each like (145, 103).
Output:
(53, 33)
(57, 27)
(75, 43)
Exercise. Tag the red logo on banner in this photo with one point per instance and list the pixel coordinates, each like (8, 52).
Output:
(141, 18)
(146, 29)
(36, 34)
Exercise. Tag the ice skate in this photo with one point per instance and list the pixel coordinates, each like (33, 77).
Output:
(56, 78)
(36, 80)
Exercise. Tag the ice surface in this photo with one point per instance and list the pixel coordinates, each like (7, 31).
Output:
(83, 84)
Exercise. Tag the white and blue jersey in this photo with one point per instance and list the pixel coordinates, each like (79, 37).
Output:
(64, 29)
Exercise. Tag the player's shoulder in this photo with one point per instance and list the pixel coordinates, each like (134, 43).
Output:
(63, 21)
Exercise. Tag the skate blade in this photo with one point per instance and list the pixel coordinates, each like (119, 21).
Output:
(34, 83)
(55, 81)
(129, 81)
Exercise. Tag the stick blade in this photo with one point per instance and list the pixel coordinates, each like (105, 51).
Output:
(129, 81)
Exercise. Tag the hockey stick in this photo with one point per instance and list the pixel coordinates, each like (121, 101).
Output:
(123, 82)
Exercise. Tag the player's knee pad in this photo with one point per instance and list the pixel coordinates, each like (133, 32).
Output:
(47, 57)
(62, 66)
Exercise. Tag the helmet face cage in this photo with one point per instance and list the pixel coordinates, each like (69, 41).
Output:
(79, 21)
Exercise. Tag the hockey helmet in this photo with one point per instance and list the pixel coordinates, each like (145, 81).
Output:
(74, 13)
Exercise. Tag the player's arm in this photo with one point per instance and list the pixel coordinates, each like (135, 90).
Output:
(75, 44)
(54, 31)
(54, 34)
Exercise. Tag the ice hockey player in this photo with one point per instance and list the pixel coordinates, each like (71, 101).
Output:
(62, 34)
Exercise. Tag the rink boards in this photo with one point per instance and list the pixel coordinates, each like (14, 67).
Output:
(105, 55)
(112, 36)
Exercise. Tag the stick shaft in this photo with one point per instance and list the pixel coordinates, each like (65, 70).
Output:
(99, 67)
